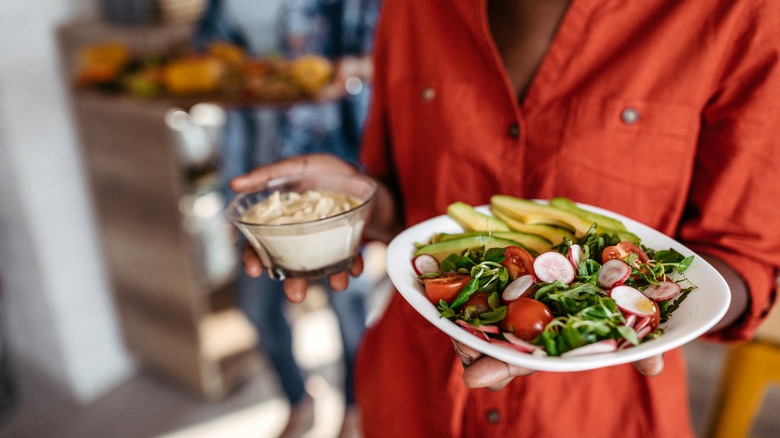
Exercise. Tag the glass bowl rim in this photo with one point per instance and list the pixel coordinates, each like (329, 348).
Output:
(285, 179)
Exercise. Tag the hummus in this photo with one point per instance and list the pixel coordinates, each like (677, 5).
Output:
(302, 247)
(294, 207)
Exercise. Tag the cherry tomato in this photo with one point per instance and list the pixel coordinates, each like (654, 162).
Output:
(518, 262)
(655, 320)
(623, 250)
(445, 286)
(526, 318)
(480, 302)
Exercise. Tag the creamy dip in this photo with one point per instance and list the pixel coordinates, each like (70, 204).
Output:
(294, 207)
(310, 246)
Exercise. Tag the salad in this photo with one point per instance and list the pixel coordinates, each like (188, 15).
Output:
(592, 292)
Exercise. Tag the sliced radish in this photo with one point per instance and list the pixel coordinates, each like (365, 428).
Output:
(641, 323)
(624, 343)
(605, 346)
(485, 328)
(632, 301)
(518, 287)
(614, 272)
(576, 255)
(522, 344)
(550, 266)
(631, 320)
(665, 290)
(471, 329)
(425, 264)
(642, 333)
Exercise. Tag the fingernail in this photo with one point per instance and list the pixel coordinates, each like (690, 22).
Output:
(464, 359)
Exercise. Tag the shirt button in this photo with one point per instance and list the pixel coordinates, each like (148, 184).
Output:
(428, 93)
(630, 116)
(492, 416)
(514, 131)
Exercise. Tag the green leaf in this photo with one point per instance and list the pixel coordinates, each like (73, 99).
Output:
(465, 293)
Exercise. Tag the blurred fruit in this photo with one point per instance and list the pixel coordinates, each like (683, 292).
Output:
(193, 75)
(101, 63)
(146, 82)
(312, 72)
(230, 53)
(224, 72)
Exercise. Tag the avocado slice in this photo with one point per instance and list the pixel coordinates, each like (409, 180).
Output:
(552, 233)
(471, 220)
(604, 224)
(601, 221)
(530, 212)
(531, 242)
(442, 249)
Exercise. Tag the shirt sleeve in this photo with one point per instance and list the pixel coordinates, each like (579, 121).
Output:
(734, 209)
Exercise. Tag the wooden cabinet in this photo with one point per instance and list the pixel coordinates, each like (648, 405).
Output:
(176, 308)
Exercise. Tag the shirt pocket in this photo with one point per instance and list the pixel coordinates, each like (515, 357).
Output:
(630, 155)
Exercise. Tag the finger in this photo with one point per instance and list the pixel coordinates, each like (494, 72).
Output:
(467, 354)
(652, 366)
(357, 266)
(252, 265)
(300, 164)
(261, 175)
(295, 289)
(466, 357)
(493, 374)
(339, 281)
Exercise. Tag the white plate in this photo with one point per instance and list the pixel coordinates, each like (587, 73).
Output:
(700, 311)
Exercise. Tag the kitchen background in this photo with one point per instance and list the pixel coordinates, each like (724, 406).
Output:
(61, 324)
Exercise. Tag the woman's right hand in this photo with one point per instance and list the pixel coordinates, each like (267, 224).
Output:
(294, 288)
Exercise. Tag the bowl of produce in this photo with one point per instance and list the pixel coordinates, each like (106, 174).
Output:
(305, 226)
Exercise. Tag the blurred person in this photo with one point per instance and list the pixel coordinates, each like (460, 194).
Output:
(342, 31)
(662, 111)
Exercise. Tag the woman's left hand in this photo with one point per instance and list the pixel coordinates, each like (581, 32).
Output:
(482, 371)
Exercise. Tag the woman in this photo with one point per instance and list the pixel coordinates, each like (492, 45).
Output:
(662, 111)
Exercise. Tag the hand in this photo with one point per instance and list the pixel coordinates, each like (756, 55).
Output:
(482, 371)
(312, 164)
(294, 288)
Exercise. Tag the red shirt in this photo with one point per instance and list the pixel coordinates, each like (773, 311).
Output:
(663, 111)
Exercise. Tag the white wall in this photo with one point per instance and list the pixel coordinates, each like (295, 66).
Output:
(56, 302)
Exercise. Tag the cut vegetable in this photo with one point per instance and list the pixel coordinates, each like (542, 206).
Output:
(640, 334)
(425, 264)
(484, 328)
(551, 266)
(641, 323)
(614, 272)
(631, 300)
(605, 346)
(521, 344)
(576, 255)
(601, 220)
(553, 234)
(441, 250)
(531, 212)
(471, 220)
(665, 290)
(518, 287)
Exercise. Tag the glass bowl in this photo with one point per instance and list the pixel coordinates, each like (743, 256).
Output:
(309, 247)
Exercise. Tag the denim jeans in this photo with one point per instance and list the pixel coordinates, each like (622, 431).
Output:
(263, 300)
